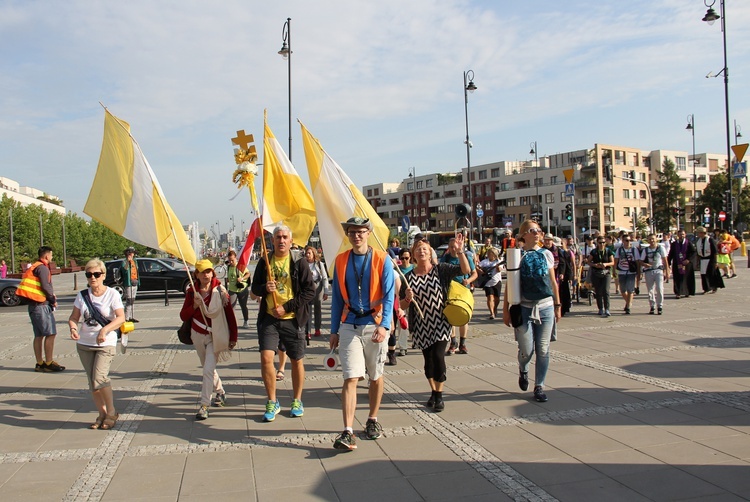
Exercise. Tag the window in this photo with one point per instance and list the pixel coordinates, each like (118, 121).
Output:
(495, 172)
(626, 194)
(538, 182)
(553, 180)
(488, 206)
(562, 195)
(419, 185)
(504, 186)
(549, 198)
(441, 224)
(642, 194)
(369, 192)
(449, 222)
(428, 183)
(626, 212)
(487, 190)
(490, 221)
(483, 174)
(410, 186)
(680, 163)
(422, 212)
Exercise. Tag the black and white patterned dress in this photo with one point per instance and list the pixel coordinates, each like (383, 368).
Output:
(429, 293)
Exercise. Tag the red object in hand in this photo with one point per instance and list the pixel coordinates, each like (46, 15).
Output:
(404, 322)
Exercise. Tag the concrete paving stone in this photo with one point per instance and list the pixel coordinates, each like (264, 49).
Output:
(563, 469)
(703, 430)
(595, 489)
(374, 488)
(576, 441)
(322, 491)
(731, 476)
(640, 436)
(524, 451)
(669, 483)
(162, 464)
(736, 446)
(218, 483)
(267, 477)
(620, 462)
(137, 485)
(447, 484)
(280, 456)
(711, 410)
(363, 470)
(661, 416)
(687, 453)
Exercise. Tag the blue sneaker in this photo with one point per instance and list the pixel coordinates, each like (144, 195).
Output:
(297, 409)
(272, 409)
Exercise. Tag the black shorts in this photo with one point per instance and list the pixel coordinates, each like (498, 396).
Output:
(493, 290)
(273, 331)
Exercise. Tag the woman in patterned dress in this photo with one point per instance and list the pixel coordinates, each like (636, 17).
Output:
(426, 285)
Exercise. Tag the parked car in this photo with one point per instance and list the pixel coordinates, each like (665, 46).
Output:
(152, 272)
(8, 296)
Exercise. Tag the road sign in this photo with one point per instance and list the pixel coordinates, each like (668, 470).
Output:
(480, 213)
(570, 189)
(706, 218)
(739, 151)
(590, 212)
(722, 216)
(405, 224)
(707, 211)
(740, 170)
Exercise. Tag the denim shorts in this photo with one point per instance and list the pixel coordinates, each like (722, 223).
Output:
(42, 319)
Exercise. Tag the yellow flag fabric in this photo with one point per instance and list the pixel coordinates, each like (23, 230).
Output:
(336, 200)
(285, 198)
(126, 196)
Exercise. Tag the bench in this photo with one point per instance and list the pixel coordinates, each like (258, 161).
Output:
(18, 275)
(54, 269)
(74, 267)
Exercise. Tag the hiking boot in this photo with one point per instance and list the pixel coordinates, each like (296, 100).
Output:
(345, 441)
(41, 368)
(462, 349)
(53, 367)
(523, 380)
(439, 404)
(431, 402)
(297, 409)
(272, 409)
(539, 395)
(220, 400)
(652, 312)
(391, 359)
(373, 429)
(202, 413)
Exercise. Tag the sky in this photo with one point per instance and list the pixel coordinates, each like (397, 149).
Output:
(380, 84)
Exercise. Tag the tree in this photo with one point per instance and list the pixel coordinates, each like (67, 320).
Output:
(668, 195)
(713, 197)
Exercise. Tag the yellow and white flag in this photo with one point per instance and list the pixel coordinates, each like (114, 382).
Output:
(336, 200)
(285, 197)
(127, 198)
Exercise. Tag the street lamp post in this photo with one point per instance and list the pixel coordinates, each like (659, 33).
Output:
(710, 17)
(413, 178)
(286, 53)
(737, 136)
(691, 127)
(469, 87)
(537, 205)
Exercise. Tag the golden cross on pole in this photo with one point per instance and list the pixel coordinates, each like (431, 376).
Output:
(243, 140)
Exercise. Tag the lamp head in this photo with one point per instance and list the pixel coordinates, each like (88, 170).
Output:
(471, 87)
(284, 52)
(711, 16)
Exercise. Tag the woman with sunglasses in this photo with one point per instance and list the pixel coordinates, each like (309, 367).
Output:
(540, 308)
(402, 334)
(96, 344)
(600, 261)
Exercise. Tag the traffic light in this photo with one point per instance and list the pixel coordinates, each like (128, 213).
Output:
(632, 177)
(681, 211)
(569, 212)
(727, 206)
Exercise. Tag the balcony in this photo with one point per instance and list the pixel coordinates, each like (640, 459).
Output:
(587, 201)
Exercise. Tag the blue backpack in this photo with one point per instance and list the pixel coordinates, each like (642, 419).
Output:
(535, 276)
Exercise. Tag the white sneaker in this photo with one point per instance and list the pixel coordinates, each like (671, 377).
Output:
(123, 344)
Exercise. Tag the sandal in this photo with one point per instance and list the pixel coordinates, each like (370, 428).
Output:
(109, 422)
(97, 423)
(279, 375)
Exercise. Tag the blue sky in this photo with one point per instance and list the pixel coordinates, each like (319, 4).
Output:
(379, 83)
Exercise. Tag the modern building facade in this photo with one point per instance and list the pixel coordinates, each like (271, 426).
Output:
(29, 195)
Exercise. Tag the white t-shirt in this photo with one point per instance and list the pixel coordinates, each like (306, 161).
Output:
(88, 328)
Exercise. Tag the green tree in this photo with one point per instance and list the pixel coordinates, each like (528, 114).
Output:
(668, 195)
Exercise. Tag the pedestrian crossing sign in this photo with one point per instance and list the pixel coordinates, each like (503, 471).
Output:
(740, 170)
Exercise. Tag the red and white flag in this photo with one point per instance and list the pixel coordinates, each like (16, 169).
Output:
(255, 232)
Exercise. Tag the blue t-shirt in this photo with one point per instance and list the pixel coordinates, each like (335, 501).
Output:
(450, 259)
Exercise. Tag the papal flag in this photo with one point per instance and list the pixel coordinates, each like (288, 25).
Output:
(285, 198)
(126, 196)
(337, 199)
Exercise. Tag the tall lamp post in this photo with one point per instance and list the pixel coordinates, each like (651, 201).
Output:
(737, 136)
(286, 53)
(469, 87)
(537, 205)
(413, 178)
(710, 17)
(691, 127)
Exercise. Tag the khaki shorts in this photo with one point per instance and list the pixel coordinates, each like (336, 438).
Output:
(96, 362)
(359, 354)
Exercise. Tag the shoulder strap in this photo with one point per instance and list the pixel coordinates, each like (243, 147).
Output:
(98, 317)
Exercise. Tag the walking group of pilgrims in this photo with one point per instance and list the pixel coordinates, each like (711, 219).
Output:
(379, 300)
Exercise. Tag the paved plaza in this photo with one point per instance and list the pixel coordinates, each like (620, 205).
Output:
(641, 407)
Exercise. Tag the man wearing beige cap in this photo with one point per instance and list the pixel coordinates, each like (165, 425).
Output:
(361, 313)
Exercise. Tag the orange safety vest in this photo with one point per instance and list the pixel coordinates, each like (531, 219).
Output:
(30, 286)
(376, 289)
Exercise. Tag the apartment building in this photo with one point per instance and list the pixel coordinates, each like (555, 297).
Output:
(29, 195)
(508, 192)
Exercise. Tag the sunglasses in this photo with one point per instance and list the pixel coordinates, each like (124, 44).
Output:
(600, 242)
(534, 231)
(406, 257)
(97, 275)
(359, 233)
